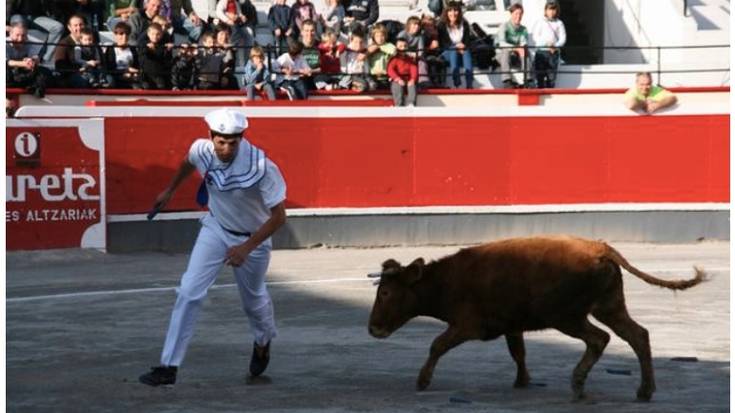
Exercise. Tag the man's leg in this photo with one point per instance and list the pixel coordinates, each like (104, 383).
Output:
(54, 30)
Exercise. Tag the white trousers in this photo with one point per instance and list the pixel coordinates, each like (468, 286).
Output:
(206, 261)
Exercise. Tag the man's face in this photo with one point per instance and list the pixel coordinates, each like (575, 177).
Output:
(225, 147)
(643, 83)
(75, 27)
(307, 34)
(516, 17)
(18, 34)
(153, 7)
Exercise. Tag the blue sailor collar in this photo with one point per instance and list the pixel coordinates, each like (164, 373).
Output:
(244, 171)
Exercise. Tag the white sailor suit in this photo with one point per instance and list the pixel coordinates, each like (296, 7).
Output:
(241, 194)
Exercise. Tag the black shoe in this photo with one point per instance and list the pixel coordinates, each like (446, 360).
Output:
(259, 363)
(159, 375)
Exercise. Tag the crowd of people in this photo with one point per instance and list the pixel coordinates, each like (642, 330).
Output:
(342, 47)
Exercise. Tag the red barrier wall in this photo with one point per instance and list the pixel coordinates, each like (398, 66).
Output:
(404, 161)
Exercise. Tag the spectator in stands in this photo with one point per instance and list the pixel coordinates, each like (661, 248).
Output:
(257, 77)
(330, 50)
(332, 16)
(225, 48)
(64, 61)
(360, 15)
(646, 97)
(241, 17)
(353, 64)
(548, 35)
(403, 72)
(379, 52)
(279, 19)
(88, 56)
(139, 22)
(512, 39)
(22, 69)
(156, 60)
(35, 14)
(119, 11)
(413, 36)
(167, 35)
(184, 69)
(209, 64)
(121, 60)
(292, 68)
(185, 20)
(310, 52)
(301, 11)
(454, 40)
(436, 66)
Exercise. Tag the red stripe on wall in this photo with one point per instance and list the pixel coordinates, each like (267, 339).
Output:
(375, 162)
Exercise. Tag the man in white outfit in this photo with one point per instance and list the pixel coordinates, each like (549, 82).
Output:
(245, 193)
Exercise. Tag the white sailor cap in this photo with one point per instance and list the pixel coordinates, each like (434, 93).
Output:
(226, 121)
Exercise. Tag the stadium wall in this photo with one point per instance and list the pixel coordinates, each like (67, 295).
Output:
(383, 176)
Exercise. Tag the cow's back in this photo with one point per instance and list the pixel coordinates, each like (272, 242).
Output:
(525, 282)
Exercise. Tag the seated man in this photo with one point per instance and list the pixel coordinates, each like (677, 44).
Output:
(646, 97)
(22, 68)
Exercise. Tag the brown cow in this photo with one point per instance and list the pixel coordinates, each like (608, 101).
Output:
(516, 285)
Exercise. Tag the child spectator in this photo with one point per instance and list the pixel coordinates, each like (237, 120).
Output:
(404, 74)
(121, 60)
(257, 77)
(293, 67)
(378, 53)
(332, 16)
(353, 64)
(279, 18)
(512, 38)
(329, 53)
(89, 58)
(209, 64)
(413, 36)
(184, 70)
(301, 11)
(227, 51)
(548, 35)
(21, 68)
(155, 60)
(454, 39)
(167, 37)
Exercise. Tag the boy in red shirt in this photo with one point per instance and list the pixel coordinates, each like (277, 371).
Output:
(403, 72)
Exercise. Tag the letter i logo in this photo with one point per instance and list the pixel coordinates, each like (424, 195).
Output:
(27, 149)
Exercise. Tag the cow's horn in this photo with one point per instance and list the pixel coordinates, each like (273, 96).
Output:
(375, 275)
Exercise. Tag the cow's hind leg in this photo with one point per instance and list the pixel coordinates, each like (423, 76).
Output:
(518, 352)
(616, 317)
(444, 342)
(596, 341)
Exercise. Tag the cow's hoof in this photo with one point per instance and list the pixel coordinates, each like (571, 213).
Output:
(522, 382)
(422, 383)
(644, 395)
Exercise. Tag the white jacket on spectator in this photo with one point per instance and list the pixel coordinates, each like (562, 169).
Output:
(222, 6)
(547, 33)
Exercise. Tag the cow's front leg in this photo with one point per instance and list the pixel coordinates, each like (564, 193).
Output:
(446, 341)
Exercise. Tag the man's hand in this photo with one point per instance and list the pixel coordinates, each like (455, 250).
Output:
(195, 19)
(237, 255)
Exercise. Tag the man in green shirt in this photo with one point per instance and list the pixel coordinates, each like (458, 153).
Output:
(646, 97)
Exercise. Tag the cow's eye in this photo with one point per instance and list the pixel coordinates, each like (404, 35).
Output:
(384, 293)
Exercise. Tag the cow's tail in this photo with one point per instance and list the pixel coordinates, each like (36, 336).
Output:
(618, 258)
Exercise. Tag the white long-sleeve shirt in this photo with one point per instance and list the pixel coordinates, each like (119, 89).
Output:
(546, 33)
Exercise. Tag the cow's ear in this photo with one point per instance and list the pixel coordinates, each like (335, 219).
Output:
(391, 264)
(414, 271)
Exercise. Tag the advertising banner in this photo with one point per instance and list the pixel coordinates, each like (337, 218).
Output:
(55, 184)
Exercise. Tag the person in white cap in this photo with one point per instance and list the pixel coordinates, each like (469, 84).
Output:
(245, 193)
